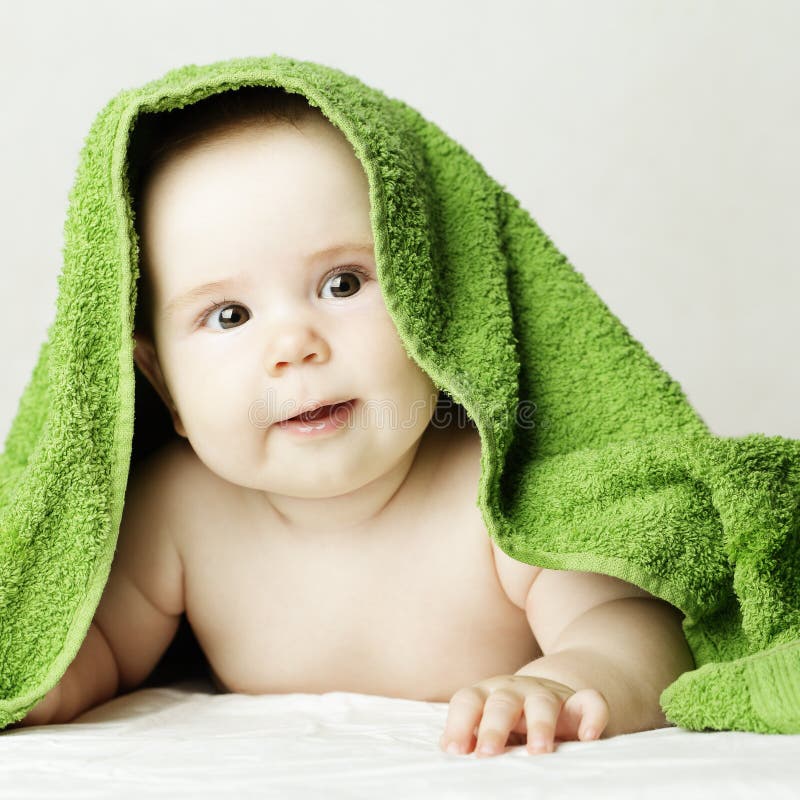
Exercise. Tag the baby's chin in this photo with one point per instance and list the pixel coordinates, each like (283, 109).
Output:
(295, 480)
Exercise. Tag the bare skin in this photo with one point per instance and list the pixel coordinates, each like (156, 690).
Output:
(357, 561)
(423, 606)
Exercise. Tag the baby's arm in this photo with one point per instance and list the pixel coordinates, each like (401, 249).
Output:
(91, 679)
(139, 611)
(610, 649)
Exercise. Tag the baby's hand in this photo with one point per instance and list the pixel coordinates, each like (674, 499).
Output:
(517, 704)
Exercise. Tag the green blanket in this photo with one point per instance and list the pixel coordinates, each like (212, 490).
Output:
(592, 457)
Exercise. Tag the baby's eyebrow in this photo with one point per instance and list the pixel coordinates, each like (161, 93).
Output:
(188, 298)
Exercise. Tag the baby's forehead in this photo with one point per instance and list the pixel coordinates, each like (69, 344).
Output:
(280, 169)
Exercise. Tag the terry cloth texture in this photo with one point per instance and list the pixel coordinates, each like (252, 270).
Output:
(592, 457)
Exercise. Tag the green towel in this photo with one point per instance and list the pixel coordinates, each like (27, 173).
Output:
(592, 458)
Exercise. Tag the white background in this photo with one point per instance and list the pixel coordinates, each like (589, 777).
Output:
(656, 143)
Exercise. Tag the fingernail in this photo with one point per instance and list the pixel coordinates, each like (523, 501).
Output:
(538, 744)
(589, 733)
(454, 748)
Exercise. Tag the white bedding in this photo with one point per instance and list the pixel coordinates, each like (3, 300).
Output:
(186, 740)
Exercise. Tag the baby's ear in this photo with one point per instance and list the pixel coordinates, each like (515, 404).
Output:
(146, 359)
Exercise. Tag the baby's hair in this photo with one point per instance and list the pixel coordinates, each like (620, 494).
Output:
(159, 137)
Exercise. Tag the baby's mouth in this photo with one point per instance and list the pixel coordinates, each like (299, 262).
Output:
(318, 413)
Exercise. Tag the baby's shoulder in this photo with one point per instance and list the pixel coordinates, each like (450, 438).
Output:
(145, 553)
(461, 463)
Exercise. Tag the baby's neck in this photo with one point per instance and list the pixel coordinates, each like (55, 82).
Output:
(355, 513)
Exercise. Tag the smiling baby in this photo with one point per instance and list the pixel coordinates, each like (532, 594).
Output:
(307, 446)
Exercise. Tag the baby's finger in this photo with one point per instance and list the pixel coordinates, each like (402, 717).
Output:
(542, 708)
(584, 716)
(463, 715)
(501, 712)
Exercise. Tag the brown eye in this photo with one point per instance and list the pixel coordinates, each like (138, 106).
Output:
(230, 316)
(346, 282)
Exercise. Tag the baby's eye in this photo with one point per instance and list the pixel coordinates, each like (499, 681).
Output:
(345, 281)
(342, 280)
(229, 314)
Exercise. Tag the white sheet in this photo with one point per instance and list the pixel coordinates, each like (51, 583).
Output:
(185, 740)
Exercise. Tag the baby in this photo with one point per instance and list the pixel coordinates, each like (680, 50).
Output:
(307, 448)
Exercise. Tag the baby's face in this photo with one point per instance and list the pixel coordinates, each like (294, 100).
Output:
(259, 210)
